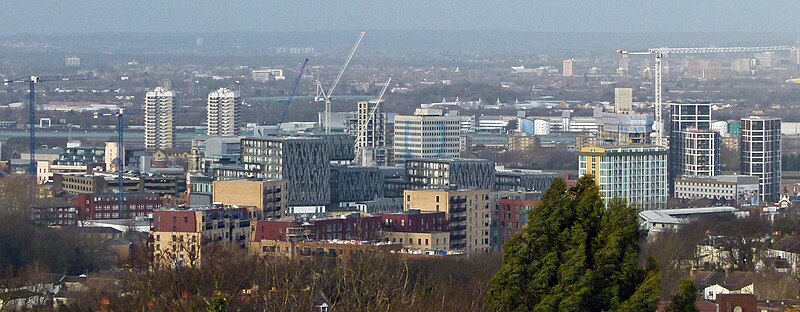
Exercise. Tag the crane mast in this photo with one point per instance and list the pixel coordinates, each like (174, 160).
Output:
(336, 82)
(661, 52)
(32, 81)
(291, 95)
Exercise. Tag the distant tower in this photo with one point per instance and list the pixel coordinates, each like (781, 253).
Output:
(760, 149)
(370, 133)
(623, 100)
(567, 70)
(159, 119)
(72, 61)
(200, 42)
(685, 117)
(224, 107)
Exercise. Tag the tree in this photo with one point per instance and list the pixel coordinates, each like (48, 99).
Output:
(683, 299)
(575, 255)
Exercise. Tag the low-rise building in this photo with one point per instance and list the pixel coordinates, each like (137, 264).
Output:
(181, 235)
(736, 189)
(54, 213)
(346, 227)
(312, 249)
(106, 206)
(438, 241)
(655, 221)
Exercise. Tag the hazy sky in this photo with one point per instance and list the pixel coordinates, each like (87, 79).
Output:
(89, 16)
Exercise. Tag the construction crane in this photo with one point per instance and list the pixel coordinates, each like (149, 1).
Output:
(660, 53)
(291, 95)
(32, 81)
(327, 96)
(363, 127)
(361, 144)
(120, 159)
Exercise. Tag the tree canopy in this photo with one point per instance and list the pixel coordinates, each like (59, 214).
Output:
(575, 254)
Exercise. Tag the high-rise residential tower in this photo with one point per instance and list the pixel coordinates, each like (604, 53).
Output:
(159, 119)
(370, 134)
(567, 69)
(224, 107)
(683, 117)
(760, 148)
(623, 100)
(636, 173)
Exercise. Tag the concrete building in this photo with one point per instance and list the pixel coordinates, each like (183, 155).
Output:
(670, 220)
(467, 213)
(567, 68)
(180, 236)
(303, 161)
(223, 112)
(267, 74)
(427, 134)
(263, 199)
(684, 116)
(636, 173)
(53, 212)
(623, 100)
(739, 189)
(701, 152)
(159, 119)
(448, 173)
(760, 149)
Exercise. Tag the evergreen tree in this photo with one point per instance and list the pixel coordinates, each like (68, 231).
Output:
(575, 255)
(683, 299)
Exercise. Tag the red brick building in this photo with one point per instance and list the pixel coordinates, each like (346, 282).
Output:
(414, 221)
(105, 206)
(351, 227)
(512, 216)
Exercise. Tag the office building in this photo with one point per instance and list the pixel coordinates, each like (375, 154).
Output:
(760, 150)
(180, 236)
(623, 100)
(303, 161)
(467, 213)
(567, 68)
(636, 173)
(701, 149)
(741, 190)
(53, 212)
(684, 116)
(223, 111)
(262, 199)
(427, 134)
(159, 119)
(448, 173)
(267, 74)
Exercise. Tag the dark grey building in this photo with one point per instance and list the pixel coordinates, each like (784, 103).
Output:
(355, 183)
(303, 161)
(450, 173)
(519, 180)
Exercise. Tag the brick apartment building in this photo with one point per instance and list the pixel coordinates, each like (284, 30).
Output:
(180, 235)
(105, 206)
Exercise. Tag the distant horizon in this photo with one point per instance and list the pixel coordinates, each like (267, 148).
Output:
(569, 16)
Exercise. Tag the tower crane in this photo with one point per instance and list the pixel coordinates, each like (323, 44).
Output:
(363, 128)
(327, 96)
(659, 53)
(291, 95)
(32, 81)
